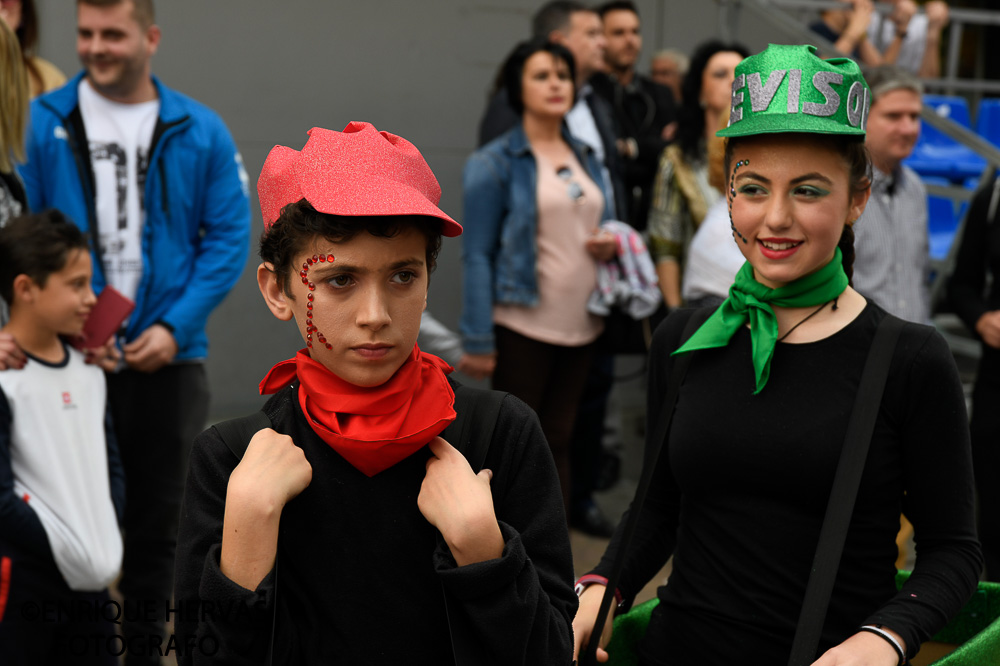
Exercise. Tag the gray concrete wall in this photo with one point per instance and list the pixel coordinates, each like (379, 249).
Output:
(419, 69)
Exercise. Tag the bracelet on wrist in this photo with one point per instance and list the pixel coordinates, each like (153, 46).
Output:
(589, 579)
(889, 638)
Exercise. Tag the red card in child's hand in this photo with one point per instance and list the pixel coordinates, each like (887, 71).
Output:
(106, 317)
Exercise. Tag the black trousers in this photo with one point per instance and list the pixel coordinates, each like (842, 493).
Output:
(44, 623)
(588, 431)
(157, 416)
(550, 379)
(985, 431)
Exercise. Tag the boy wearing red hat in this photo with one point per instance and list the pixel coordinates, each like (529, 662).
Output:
(391, 548)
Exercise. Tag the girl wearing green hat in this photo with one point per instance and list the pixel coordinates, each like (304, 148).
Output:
(740, 491)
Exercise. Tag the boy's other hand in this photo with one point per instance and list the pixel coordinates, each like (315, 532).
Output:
(272, 472)
(458, 502)
(105, 357)
(11, 356)
(153, 349)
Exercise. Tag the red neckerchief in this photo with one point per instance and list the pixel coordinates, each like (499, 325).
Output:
(373, 428)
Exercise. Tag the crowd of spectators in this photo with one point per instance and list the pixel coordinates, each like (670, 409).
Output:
(596, 202)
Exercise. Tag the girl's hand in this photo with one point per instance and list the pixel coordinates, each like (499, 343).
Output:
(583, 623)
(862, 649)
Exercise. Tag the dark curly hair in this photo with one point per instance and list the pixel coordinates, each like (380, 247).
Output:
(299, 223)
(859, 172)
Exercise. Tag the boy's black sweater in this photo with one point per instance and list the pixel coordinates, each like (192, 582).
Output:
(361, 571)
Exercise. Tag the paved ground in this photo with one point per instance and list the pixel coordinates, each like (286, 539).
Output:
(628, 403)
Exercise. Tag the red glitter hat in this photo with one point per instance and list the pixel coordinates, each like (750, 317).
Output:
(359, 171)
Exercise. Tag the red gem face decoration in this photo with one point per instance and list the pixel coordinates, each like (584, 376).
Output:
(304, 274)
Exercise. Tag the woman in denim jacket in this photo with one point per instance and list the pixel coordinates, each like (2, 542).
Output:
(533, 206)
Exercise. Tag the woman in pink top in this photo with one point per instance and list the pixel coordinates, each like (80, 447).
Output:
(533, 207)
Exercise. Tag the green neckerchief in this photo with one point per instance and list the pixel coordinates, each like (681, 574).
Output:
(749, 299)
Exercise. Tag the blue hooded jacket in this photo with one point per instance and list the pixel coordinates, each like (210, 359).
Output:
(197, 229)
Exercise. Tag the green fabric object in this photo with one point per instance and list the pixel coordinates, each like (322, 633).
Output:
(976, 630)
(750, 300)
(788, 88)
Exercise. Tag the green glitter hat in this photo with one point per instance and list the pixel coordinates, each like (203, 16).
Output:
(788, 88)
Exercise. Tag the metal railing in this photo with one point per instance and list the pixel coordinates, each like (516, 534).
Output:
(959, 18)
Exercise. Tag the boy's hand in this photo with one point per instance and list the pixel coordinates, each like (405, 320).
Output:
(105, 357)
(459, 504)
(153, 349)
(11, 356)
(273, 471)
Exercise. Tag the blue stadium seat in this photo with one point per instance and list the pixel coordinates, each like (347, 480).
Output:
(942, 221)
(988, 120)
(936, 154)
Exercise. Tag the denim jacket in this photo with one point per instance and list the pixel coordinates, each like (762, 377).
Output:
(500, 249)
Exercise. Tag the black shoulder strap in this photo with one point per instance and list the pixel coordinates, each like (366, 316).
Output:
(656, 441)
(237, 433)
(840, 506)
(471, 433)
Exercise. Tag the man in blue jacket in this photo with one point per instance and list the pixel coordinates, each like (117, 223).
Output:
(157, 181)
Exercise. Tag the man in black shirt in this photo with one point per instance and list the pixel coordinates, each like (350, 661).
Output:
(645, 112)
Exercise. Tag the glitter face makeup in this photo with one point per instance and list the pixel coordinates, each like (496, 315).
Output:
(304, 274)
(732, 196)
(359, 314)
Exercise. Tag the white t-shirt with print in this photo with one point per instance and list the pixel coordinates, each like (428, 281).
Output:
(119, 136)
